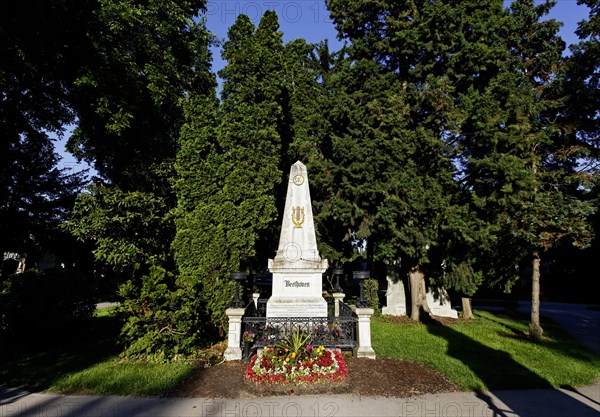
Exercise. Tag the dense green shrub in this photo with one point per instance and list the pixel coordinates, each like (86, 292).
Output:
(371, 293)
(164, 318)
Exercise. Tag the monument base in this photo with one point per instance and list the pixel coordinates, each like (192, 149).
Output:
(438, 301)
(296, 307)
(394, 310)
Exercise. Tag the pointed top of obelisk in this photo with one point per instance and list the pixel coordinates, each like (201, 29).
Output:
(297, 242)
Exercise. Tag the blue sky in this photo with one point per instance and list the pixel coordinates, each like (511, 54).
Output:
(309, 19)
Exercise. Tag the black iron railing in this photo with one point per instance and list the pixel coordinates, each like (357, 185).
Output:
(259, 331)
(331, 332)
(346, 310)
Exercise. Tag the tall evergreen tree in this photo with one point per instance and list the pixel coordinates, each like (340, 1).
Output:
(433, 52)
(583, 78)
(36, 197)
(579, 89)
(311, 85)
(478, 83)
(516, 161)
(143, 60)
(229, 167)
(40, 44)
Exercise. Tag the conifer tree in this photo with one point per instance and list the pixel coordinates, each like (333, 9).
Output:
(229, 167)
(577, 119)
(431, 52)
(312, 86)
(478, 82)
(142, 61)
(518, 165)
(40, 43)
(36, 197)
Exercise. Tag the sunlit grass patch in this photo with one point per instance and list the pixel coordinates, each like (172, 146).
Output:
(124, 378)
(489, 352)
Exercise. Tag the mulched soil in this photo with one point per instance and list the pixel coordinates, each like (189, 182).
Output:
(366, 377)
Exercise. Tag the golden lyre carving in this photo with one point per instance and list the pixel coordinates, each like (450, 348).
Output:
(297, 216)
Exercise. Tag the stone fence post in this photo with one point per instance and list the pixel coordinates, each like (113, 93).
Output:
(364, 348)
(337, 297)
(234, 334)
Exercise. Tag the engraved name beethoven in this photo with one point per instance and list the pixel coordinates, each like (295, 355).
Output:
(296, 284)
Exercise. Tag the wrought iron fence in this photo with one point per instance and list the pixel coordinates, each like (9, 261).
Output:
(331, 332)
(346, 311)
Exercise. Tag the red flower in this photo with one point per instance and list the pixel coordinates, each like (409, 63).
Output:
(273, 361)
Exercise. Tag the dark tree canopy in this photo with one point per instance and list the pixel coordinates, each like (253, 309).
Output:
(143, 59)
(35, 198)
(40, 43)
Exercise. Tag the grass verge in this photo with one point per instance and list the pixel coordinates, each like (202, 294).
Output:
(490, 352)
(112, 377)
(83, 360)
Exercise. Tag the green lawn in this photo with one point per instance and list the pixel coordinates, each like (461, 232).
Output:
(118, 378)
(84, 360)
(490, 352)
(36, 361)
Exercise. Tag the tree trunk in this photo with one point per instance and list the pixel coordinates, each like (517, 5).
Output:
(466, 307)
(535, 329)
(416, 280)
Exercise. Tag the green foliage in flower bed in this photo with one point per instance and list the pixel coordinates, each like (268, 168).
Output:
(280, 365)
(371, 289)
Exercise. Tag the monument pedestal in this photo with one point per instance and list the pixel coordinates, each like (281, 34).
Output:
(364, 348)
(338, 297)
(296, 307)
(297, 292)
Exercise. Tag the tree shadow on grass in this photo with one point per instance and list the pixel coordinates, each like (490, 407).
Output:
(502, 375)
(496, 368)
(33, 362)
(556, 338)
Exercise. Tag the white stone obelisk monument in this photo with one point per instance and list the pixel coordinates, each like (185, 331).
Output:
(297, 268)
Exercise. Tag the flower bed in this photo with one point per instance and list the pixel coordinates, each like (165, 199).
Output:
(279, 365)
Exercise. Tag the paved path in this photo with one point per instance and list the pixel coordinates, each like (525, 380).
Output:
(583, 402)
